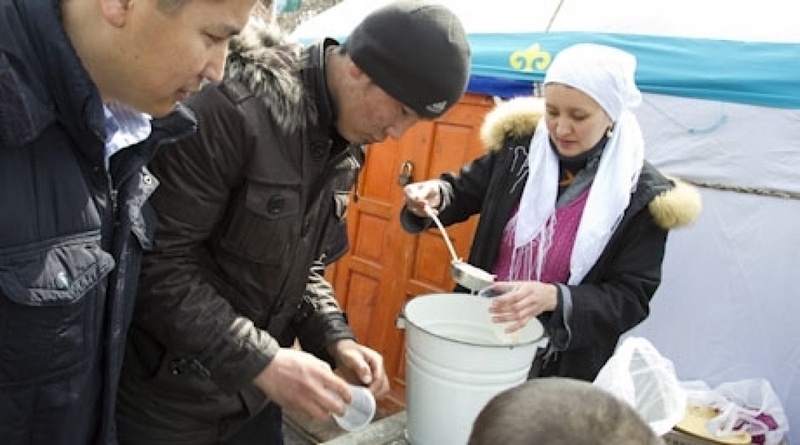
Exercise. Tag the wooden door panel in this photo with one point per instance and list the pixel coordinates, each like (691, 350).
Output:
(378, 178)
(373, 220)
(362, 284)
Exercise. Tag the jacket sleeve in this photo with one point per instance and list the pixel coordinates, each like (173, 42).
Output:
(178, 304)
(322, 322)
(462, 194)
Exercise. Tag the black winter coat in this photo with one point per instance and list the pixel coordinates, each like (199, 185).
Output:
(71, 236)
(247, 209)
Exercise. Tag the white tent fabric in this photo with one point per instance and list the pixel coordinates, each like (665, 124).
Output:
(725, 310)
(765, 20)
(726, 306)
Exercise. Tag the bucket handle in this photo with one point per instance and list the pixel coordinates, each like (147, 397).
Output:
(401, 321)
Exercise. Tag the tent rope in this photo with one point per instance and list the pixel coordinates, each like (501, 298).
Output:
(553, 17)
(747, 190)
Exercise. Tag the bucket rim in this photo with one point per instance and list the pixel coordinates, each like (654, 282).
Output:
(541, 338)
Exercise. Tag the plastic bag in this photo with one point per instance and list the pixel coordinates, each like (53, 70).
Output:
(742, 406)
(638, 374)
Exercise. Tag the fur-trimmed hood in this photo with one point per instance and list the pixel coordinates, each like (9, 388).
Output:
(516, 119)
(262, 58)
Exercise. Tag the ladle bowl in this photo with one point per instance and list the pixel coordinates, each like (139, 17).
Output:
(469, 276)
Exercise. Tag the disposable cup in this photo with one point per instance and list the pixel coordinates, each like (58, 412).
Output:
(359, 412)
(499, 328)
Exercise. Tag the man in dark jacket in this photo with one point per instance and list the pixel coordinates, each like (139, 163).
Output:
(248, 207)
(76, 79)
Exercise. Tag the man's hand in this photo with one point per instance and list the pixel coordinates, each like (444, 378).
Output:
(303, 384)
(360, 365)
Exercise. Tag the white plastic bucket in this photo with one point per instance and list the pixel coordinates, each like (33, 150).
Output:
(456, 361)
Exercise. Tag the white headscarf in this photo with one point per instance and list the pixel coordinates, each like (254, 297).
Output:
(607, 75)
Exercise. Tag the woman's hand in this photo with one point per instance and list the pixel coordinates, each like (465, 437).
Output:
(517, 302)
(419, 194)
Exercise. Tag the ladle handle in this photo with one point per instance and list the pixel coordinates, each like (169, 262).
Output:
(435, 219)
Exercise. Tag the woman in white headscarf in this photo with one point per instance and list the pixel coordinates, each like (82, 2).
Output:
(574, 221)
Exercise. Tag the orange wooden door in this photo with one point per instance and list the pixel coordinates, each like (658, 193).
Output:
(386, 266)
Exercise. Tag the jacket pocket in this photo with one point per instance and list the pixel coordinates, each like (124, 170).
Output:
(140, 212)
(51, 301)
(264, 223)
(336, 240)
(182, 376)
(341, 201)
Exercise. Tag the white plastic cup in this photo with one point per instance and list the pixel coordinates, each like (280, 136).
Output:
(500, 334)
(359, 412)
(499, 328)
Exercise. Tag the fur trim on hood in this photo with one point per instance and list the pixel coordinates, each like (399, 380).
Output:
(677, 207)
(514, 119)
(517, 118)
(263, 60)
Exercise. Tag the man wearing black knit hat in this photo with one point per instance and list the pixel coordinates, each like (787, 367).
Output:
(252, 207)
(414, 51)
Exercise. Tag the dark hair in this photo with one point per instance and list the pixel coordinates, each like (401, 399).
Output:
(559, 411)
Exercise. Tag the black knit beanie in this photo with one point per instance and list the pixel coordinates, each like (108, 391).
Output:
(415, 51)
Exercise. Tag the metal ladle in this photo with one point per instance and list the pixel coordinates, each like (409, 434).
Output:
(465, 274)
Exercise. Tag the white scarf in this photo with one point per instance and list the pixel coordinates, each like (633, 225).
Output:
(607, 75)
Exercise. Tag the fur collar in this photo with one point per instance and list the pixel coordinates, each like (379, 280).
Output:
(678, 206)
(263, 60)
(514, 119)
